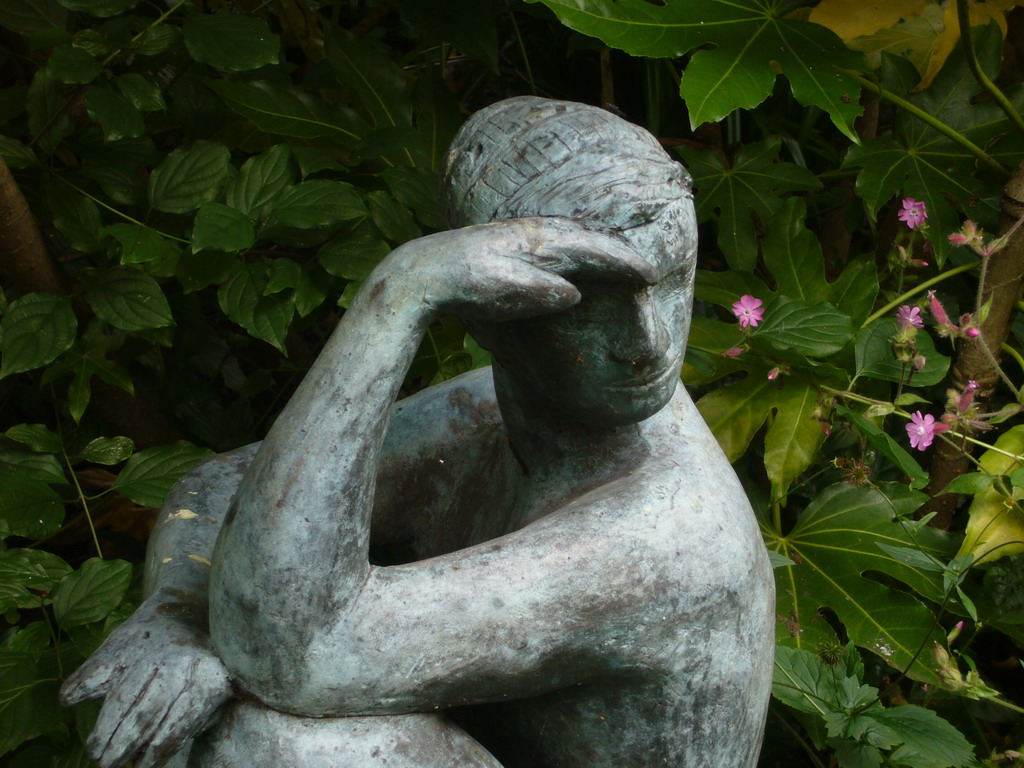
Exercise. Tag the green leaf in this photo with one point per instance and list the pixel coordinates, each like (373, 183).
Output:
(834, 543)
(392, 218)
(793, 440)
(27, 16)
(271, 318)
(353, 255)
(29, 508)
(26, 699)
(141, 91)
(284, 274)
(917, 161)
(92, 592)
(377, 80)
(290, 111)
(242, 299)
(29, 465)
(230, 41)
(38, 437)
(970, 483)
(200, 270)
(72, 65)
(735, 413)
(16, 154)
(77, 218)
(155, 40)
(85, 360)
(855, 290)
(312, 288)
(140, 245)
(817, 330)
(750, 185)
(187, 178)
(416, 189)
(122, 183)
(108, 450)
(260, 180)
(115, 113)
(318, 203)
(804, 682)
(469, 25)
(22, 570)
(149, 474)
(928, 740)
(101, 8)
(222, 228)
(888, 447)
(793, 254)
(128, 299)
(35, 330)
(875, 360)
(45, 101)
(741, 43)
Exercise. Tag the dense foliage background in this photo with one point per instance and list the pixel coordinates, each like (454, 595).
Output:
(191, 193)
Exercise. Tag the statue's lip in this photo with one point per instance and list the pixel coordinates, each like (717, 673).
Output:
(653, 378)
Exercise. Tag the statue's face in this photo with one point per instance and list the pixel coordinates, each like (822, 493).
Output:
(615, 357)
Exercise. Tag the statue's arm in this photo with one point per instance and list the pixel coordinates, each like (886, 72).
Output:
(564, 601)
(291, 560)
(158, 673)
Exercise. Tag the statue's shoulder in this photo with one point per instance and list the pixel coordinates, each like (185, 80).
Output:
(461, 408)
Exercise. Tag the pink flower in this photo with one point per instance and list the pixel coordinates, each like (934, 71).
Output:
(922, 430)
(966, 400)
(733, 352)
(913, 213)
(748, 310)
(773, 374)
(910, 317)
(968, 235)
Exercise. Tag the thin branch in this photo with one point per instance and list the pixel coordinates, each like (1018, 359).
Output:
(963, 16)
(950, 133)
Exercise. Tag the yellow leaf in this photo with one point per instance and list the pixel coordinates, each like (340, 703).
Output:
(857, 18)
(912, 38)
(996, 529)
(981, 12)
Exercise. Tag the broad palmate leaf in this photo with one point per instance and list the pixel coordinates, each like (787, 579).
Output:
(834, 544)
(738, 191)
(917, 161)
(745, 38)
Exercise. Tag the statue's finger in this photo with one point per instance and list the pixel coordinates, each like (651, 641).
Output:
(522, 290)
(187, 717)
(125, 720)
(89, 681)
(567, 248)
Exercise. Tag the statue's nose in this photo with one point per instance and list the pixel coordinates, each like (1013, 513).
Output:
(645, 338)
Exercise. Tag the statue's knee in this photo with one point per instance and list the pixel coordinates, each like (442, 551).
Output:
(252, 736)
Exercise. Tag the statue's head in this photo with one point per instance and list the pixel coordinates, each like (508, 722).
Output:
(615, 357)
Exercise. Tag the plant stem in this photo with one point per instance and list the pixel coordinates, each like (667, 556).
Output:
(123, 215)
(522, 50)
(1012, 353)
(983, 345)
(931, 121)
(917, 289)
(793, 732)
(963, 15)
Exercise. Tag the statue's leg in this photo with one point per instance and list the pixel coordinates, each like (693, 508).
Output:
(248, 735)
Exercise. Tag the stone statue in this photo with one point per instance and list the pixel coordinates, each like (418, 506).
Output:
(586, 584)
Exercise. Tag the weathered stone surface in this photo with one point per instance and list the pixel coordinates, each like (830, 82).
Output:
(585, 583)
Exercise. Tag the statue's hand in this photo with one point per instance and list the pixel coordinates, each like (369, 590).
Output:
(517, 268)
(161, 682)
